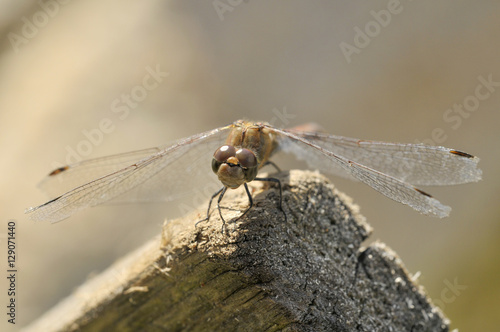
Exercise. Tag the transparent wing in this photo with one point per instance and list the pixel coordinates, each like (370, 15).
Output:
(68, 177)
(387, 185)
(165, 175)
(415, 163)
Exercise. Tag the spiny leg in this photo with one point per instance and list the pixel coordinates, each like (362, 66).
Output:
(281, 192)
(223, 191)
(209, 205)
(272, 164)
(250, 200)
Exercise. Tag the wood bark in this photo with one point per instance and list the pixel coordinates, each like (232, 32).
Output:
(309, 273)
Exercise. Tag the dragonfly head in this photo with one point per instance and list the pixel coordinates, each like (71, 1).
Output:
(234, 167)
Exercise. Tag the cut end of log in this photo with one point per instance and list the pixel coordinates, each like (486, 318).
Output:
(309, 273)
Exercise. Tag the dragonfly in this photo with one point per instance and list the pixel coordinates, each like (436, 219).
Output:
(242, 148)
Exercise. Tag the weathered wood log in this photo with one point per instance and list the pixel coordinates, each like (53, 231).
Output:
(263, 273)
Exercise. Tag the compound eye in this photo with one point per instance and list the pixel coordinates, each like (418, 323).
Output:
(215, 165)
(224, 152)
(246, 158)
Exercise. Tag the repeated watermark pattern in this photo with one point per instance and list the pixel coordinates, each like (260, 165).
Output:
(363, 37)
(455, 115)
(120, 106)
(32, 25)
(226, 6)
(449, 293)
(281, 119)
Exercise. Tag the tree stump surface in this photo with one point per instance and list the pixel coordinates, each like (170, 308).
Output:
(309, 273)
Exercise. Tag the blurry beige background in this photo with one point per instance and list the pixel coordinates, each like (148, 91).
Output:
(66, 67)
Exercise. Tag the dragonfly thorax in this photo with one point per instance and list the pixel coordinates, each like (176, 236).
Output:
(234, 166)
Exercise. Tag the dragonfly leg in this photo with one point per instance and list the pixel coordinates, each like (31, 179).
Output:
(222, 191)
(250, 200)
(281, 192)
(209, 205)
(249, 206)
(272, 164)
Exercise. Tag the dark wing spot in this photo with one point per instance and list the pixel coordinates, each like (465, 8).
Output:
(59, 170)
(52, 200)
(422, 192)
(461, 154)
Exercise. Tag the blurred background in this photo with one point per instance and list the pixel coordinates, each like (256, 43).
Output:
(83, 79)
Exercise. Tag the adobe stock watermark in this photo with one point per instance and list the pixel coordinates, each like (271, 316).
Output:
(454, 117)
(363, 37)
(32, 25)
(449, 293)
(226, 6)
(281, 119)
(121, 107)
